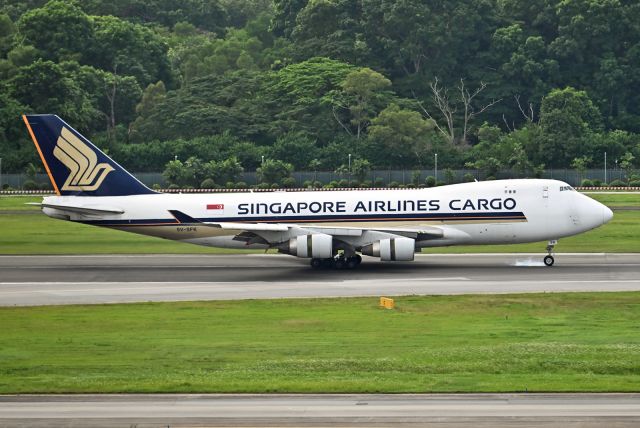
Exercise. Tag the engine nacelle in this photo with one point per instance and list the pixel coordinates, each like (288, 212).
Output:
(392, 249)
(318, 246)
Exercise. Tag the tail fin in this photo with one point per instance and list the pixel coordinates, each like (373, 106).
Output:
(75, 166)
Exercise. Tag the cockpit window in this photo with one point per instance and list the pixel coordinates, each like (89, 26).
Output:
(566, 189)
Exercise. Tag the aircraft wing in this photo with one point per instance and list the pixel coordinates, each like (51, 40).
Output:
(263, 229)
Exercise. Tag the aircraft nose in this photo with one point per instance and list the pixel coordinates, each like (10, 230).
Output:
(607, 214)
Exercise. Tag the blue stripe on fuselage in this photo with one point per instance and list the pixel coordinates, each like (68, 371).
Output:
(343, 218)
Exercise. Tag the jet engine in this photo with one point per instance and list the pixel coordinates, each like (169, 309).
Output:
(318, 245)
(392, 249)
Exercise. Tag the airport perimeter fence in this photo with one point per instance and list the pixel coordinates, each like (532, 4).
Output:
(374, 178)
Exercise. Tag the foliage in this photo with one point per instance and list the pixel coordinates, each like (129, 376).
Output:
(298, 80)
(274, 171)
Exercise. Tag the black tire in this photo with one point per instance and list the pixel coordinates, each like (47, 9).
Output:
(548, 260)
(358, 258)
(316, 263)
(352, 263)
(340, 263)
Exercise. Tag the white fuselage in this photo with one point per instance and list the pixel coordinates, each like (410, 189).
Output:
(492, 212)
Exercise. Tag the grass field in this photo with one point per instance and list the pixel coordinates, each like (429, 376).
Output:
(38, 234)
(534, 342)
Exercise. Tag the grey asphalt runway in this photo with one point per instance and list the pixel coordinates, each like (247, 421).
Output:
(39, 280)
(441, 410)
(52, 280)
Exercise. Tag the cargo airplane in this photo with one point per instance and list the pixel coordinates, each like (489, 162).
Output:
(330, 228)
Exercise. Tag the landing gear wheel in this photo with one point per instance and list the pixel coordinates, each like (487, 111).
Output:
(352, 262)
(548, 260)
(316, 263)
(340, 263)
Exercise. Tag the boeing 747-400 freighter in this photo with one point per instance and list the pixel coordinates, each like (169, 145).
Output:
(331, 228)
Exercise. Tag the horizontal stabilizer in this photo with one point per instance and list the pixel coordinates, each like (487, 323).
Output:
(88, 210)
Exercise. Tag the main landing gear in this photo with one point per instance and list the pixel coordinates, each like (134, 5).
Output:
(548, 260)
(337, 262)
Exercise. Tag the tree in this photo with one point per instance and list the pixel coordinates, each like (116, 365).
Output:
(401, 136)
(228, 170)
(626, 163)
(568, 120)
(362, 95)
(122, 47)
(45, 86)
(580, 164)
(274, 171)
(448, 109)
(295, 148)
(23, 55)
(59, 29)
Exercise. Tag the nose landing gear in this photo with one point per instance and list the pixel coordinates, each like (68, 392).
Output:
(548, 260)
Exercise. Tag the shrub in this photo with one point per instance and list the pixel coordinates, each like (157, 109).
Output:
(329, 186)
(634, 183)
(45, 186)
(263, 186)
(490, 178)
(586, 183)
(275, 186)
(468, 177)
(156, 186)
(207, 183)
(288, 182)
(440, 183)
(307, 184)
(30, 185)
(230, 185)
(415, 177)
(173, 186)
(410, 186)
(241, 185)
(597, 183)
(379, 182)
(366, 184)
(394, 184)
(317, 184)
(343, 183)
(430, 181)
(617, 183)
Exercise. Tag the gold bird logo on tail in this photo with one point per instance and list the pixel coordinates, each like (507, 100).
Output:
(85, 173)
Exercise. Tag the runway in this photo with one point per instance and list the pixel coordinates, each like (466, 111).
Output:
(55, 280)
(477, 410)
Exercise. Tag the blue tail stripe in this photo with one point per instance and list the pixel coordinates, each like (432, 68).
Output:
(76, 166)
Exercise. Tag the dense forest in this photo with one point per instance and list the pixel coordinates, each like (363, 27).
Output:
(205, 88)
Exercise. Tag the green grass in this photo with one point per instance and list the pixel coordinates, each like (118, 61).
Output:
(38, 234)
(613, 200)
(15, 203)
(534, 342)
